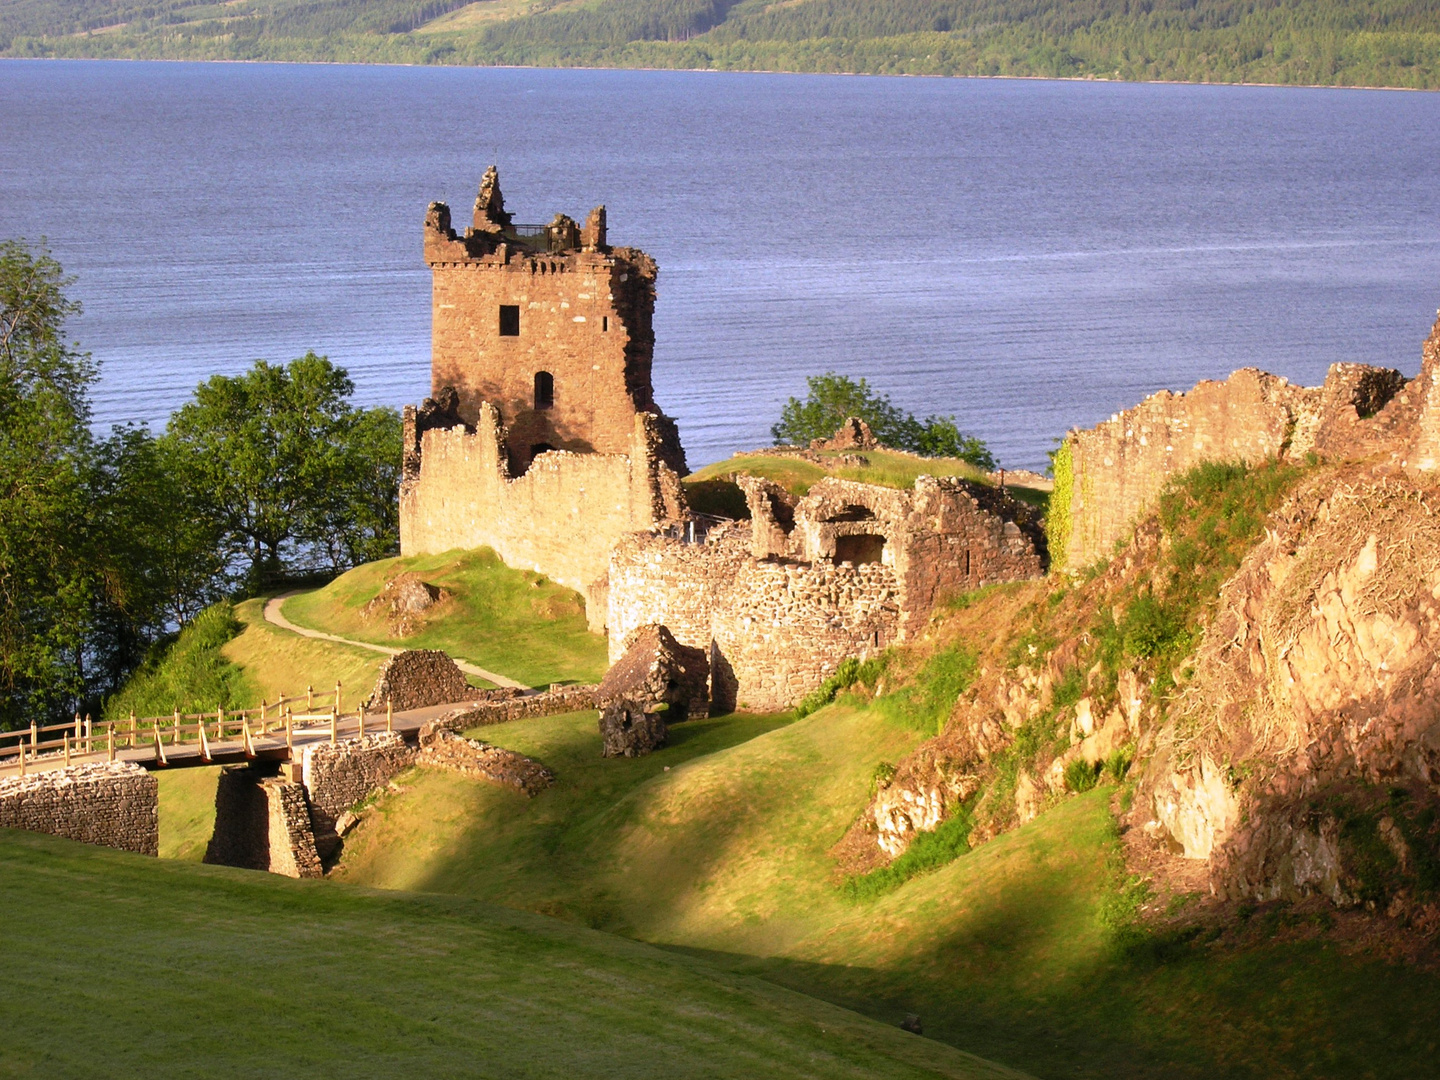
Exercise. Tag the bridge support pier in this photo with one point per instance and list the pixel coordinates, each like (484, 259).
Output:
(262, 822)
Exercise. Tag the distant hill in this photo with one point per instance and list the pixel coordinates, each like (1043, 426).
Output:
(1320, 42)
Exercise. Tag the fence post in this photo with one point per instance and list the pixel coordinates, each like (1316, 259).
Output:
(309, 699)
(334, 716)
(204, 742)
(159, 746)
(65, 737)
(337, 695)
(89, 736)
(34, 737)
(22, 757)
(77, 731)
(110, 741)
(389, 714)
(361, 720)
(134, 731)
(220, 724)
(289, 732)
(175, 735)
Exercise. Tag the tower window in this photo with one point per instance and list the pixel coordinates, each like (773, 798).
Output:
(544, 390)
(509, 320)
(604, 323)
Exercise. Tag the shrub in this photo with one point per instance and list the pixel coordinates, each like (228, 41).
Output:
(1080, 775)
(927, 851)
(1117, 762)
(824, 694)
(189, 672)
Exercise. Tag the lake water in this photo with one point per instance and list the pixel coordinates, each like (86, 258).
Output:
(1030, 256)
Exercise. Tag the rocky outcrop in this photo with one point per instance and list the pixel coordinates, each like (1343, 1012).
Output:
(1307, 745)
(402, 602)
(446, 750)
(630, 729)
(657, 670)
(418, 678)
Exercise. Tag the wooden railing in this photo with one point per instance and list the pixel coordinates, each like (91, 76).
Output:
(84, 738)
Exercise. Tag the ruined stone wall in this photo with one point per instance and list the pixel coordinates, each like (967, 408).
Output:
(444, 749)
(338, 776)
(561, 518)
(113, 804)
(1121, 465)
(657, 579)
(565, 699)
(785, 627)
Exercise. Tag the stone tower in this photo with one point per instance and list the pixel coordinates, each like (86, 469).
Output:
(549, 324)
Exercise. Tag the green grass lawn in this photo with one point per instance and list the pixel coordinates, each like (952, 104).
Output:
(512, 622)
(187, 811)
(188, 970)
(1006, 951)
(277, 661)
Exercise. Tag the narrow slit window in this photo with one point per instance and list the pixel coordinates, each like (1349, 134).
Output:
(604, 324)
(509, 320)
(544, 390)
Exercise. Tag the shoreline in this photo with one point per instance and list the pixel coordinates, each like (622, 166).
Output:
(722, 71)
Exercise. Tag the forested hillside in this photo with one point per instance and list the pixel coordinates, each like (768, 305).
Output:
(1326, 42)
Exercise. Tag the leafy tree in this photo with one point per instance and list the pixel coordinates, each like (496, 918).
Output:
(833, 398)
(285, 467)
(48, 583)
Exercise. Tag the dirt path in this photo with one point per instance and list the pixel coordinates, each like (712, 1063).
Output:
(276, 617)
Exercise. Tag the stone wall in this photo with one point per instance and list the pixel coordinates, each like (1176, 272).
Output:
(417, 678)
(849, 569)
(339, 775)
(113, 804)
(262, 822)
(560, 519)
(447, 750)
(1359, 413)
(565, 699)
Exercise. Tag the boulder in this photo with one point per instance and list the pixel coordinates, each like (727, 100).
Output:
(630, 729)
(657, 670)
(418, 678)
(402, 601)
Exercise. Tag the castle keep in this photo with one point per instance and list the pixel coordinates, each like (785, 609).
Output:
(542, 440)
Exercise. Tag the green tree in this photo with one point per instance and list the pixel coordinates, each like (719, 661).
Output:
(833, 398)
(48, 578)
(285, 468)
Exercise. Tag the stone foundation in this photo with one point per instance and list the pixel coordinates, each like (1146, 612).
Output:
(112, 804)
(262, 822)
(566, 699)
(446, 750)
(339, 775)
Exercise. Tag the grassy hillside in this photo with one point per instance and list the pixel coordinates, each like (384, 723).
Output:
(1324, 42)
(513, 622)
(1025, 950)
(199, 970)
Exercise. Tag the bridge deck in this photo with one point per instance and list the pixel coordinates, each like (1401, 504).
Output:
(269, 747)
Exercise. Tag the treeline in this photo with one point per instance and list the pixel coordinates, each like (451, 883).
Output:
(1328, 42)
(108, 544)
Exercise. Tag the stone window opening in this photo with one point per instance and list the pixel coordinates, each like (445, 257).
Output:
(604, 324)
(509, 320)
(540, 448)
(967, 562)
(860, 549)
(852, 513)
(544, 390)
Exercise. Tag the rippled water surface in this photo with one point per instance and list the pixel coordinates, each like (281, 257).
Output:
(1028, 255)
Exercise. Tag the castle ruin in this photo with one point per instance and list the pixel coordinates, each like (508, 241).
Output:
(542, 440)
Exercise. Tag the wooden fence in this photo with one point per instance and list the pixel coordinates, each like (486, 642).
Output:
(84, 738)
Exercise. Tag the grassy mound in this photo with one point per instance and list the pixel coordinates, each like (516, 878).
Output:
(210, 971)
(1025, 950)
(189, 672)
(513, 622)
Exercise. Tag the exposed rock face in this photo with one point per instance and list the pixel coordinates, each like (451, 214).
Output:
(446, 750)
(630, 729)
(1311, 728)
(402, 601)
(418, 678)
(656, 669)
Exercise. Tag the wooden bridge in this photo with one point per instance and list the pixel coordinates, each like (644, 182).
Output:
(273, 731)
